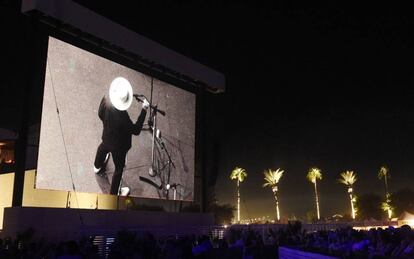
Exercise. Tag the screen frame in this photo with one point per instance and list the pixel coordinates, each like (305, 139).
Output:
(120, 57)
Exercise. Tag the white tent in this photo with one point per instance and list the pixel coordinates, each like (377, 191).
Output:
(406, 218)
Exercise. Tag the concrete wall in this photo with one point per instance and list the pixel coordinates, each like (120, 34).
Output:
(6, 193)
(61, 199)
(46, 211)
(52, 199)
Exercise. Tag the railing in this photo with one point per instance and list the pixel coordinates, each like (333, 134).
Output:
(105, 238)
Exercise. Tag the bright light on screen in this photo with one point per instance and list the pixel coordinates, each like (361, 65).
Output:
(90, 115)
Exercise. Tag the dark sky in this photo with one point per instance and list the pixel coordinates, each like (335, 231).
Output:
(328, 86)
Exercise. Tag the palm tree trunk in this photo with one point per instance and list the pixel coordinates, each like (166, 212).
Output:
(352, 205)
(277, 205)
(387, 197)
(277, 211)
(238, 201)
(317, 202)
(386, 184)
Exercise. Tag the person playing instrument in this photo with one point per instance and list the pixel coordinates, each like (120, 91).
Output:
(118, 129)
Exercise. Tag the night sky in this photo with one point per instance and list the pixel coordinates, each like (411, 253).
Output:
(328, 86)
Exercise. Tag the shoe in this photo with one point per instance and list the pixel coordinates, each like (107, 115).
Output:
(124, 191)
(103, 168)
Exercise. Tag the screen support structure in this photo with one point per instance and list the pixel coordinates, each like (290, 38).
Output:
(34, 65)
(20, 151)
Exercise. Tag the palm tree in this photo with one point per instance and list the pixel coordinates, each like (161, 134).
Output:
(315, 174)
(238, 174)
(349, 178)
(272, 179)
(384, 173)
(386, 206)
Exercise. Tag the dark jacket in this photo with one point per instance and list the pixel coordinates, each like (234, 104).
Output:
(117, 126)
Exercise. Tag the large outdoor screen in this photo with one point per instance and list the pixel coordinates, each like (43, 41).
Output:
(109, 129)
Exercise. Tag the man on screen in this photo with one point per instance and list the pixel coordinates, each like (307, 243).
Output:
(117, 130)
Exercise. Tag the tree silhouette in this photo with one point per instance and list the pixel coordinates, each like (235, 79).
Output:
(403, 200)
(369, 206)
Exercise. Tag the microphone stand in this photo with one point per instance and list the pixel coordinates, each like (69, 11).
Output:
(155, 139)
(153, 125)
(68, 200)
(161, 143)
(154, 108)
(174, 187)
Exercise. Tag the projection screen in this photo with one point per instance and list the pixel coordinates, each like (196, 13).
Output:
(98, 136)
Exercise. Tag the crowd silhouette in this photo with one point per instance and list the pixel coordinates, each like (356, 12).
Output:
(236, 242)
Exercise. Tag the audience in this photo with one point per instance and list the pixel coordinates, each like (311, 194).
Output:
(238, 242)
(350, 243)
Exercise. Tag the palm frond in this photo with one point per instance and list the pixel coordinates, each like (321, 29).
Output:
(348, 178)
(239, 174)
(272, 178)
(266, 184)
(383, 172)
(314, 174)
(385, 206)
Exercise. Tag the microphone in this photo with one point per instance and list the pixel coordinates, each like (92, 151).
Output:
(137, 97)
